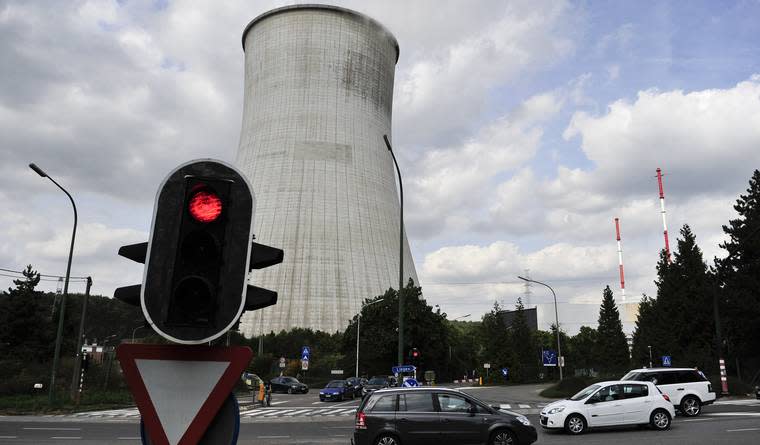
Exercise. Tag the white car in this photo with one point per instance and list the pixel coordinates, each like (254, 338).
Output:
(688, 389)
(609, 404)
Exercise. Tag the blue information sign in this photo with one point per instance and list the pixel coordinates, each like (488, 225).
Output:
(505, 372)
(410, 383)
(666, 360)
(403, 368)
(549, 357)
(305, 352)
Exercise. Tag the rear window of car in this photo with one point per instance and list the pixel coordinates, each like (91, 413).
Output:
(421, 402)
(382, 403)
(689, 377)
(377, 381)
(633, 391)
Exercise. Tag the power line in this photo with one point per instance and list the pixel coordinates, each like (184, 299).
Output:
(42, 275)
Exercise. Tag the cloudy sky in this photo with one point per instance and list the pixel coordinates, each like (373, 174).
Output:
(523, 128)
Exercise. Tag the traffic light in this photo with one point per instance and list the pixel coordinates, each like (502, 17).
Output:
(414, 354)
(200, 252)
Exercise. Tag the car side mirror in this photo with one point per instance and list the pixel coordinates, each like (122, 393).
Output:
(591, 400)
(472, 410)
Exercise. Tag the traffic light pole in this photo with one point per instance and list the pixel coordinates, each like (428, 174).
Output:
(556, 321)
(400, 259)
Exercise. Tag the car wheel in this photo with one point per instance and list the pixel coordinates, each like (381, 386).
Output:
(660, 419)
(290, 390)
(575, 424)
(503, 437)
(690, 406)
(387, 439)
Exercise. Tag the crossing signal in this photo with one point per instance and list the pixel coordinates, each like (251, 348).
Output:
(414, 353)
(195, 283)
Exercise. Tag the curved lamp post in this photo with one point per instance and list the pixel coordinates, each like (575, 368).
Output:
(400, 259)
(556, 322)
(59, 335)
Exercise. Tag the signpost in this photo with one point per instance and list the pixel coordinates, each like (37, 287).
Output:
(204, 377)
(336, 372)
(283, 362)
(666, 361)
(403, 368)
(549, 357)
(195, 288)
(305, 353)
(487, 367)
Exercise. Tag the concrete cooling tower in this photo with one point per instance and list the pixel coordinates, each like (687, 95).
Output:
(318, 99)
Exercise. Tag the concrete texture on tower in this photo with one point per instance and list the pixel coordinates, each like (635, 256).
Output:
(318, 99)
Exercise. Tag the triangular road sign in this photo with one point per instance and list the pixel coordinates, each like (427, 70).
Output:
(179, 389)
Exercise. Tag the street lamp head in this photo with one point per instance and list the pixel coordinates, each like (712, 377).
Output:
(387, 142)
(37, 170)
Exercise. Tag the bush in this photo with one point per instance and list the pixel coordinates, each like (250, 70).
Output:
(569, 387)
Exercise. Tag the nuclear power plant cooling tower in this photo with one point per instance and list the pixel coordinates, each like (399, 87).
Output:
(318, 100)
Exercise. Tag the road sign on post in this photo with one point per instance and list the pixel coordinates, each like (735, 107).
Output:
(283, 362)
(305, 353)
(403, 369)
(195, 284)
(549, 357)
(304, 365)
(204, 376)
(666, 360)
(486, 365)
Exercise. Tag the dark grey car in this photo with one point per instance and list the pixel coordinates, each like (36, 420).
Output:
(437, 416)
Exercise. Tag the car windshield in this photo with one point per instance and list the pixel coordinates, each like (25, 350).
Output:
(377, 381)
(585, 393)
(631, 376)
(289, 380)
(335, 384)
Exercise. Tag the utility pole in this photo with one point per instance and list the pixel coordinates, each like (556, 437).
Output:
(75, 379)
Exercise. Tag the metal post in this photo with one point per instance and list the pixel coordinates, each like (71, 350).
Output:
(719, 344)
(401, 258)
(650, 356)
(75, 387)
(62, 312)
(358, 326)
(556, 322)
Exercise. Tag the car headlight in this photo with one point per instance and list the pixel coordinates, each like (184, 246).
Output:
(524, 420)
(556, 410)
(321, 393)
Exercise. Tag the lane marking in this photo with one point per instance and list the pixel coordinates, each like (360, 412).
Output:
(273, 437)
(8, 437)
(277, 412)
(277, 403)
(695, 420)
(505, 406)
(129, 438)
(743, 429)
(523, 405)
(52, 429)
(738, 414)
(256, 413)
(317, 403)
(67, 437)
(300, 411)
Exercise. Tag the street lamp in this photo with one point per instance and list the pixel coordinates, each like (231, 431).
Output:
(400, 257)
(358, 325)
(59, 335)
(556, 322)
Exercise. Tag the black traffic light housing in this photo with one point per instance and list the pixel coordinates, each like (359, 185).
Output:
(200, 252)
(414, 354)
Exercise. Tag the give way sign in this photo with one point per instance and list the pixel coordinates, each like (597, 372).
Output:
(179, 388)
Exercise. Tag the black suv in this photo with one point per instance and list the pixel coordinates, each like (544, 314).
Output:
(437, 416)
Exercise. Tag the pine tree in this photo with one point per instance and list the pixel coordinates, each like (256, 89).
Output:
(612, 345)
(25, 324)
(739, 274)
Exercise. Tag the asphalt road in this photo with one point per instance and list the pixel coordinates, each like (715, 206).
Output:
(734, 422)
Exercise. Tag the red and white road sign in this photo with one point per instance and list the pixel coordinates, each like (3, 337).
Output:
(179, 389)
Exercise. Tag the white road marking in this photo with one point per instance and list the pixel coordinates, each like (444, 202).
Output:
(696, 420)
(273, 437)
(67, 437)
(301, 411)
(256, 413)
(8, 437)
(505, 406)
(52, 429)
(523, 406)
(277, 403)
(129, 438)
(317, 403)
(743, 429)
(277, 412)
(745, 414)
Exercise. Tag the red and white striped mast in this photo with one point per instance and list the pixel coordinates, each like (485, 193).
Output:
(620, 258)
(662, 212)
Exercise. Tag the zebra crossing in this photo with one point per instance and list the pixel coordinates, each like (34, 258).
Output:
(272, 412)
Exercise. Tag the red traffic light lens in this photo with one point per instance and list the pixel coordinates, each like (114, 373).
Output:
(205, 206)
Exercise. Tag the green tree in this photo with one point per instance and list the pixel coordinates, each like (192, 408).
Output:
(494, 338)
(524, 347)
(611, 344)
(583, 354)
(739, 275)
(26, 327)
